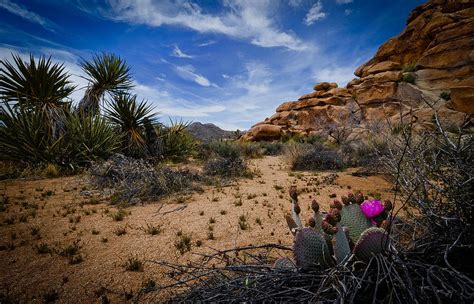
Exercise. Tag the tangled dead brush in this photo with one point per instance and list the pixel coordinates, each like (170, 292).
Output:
(133, 179)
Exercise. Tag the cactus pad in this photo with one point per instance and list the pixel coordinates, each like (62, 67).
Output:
(353, 218)
(373, 241)
(341, 245)
(310, 249)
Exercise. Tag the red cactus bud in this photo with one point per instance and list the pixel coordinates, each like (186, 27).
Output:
(328, 228)
(311, 222)
(385, 224)
(351, 198)
(336, 204)
(359, 198)
(293, 193)
(388, 205)
(315, 206)
(345, 200)
(297, 209)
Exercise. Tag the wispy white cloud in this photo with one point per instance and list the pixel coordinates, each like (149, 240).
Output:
(242, 19)
(208, 43)
(24, 13)
(188, 72)
(315, 13)
(340, 75)
(343, 1)
(347, 11)
(178, 53)
(295, 3)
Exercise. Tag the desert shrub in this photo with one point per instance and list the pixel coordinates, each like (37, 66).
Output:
(227, 167)
(445, 95)
(250, 149)
(409, 67)
(408, 77)
(272, 148)
(136, 178)
(177, 143)
(313, 157)
(224, 149)
(433, 171)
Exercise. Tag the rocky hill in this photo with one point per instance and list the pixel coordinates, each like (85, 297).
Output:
(430, 65)
(208, 131)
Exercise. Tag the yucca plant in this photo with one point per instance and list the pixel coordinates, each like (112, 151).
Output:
(130, 116)
(106, 73)
(90, 137)
(177, 142)
(26, 136)
(40, 84)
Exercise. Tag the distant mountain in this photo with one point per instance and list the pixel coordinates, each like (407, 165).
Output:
(208, 131)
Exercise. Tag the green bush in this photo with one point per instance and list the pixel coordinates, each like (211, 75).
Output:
(227, 167)
(313, 157)
(408, 77)
(177, 143)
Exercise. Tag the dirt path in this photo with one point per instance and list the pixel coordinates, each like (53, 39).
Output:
(54, 213)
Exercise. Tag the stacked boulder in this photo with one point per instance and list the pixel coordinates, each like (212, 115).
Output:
(430, 64)
(326, 104)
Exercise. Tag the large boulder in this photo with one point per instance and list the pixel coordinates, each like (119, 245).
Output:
(263, 132)
(462, 99)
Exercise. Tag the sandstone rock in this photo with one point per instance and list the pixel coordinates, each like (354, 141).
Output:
(286, 106)
(383, 66)
(455, 53)
(324, 86)
(375, 92)
(341, 92)
(263, 132)
(441, 79)
(462, 99)
(438, 40)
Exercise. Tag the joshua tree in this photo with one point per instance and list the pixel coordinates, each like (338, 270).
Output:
(107, 73)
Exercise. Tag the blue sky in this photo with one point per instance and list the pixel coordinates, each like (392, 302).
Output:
(229, 62)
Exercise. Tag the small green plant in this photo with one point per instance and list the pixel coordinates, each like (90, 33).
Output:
(95, 231)
(183, 243)
(71, 252)
(35, 230)
(119, 215)
(210, 235)
(212, 220)
(152, 229)
(238, 202)
(43, 248)
(409, 78)
(133, 264)
(243, 222)
(445, 95)
(223, 212)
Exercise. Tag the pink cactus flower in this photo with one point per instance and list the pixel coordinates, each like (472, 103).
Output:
(372, 208)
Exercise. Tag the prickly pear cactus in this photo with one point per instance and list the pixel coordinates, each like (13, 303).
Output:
(284, 264)
(310, 249)
(341, 244)
(353, 218)
(372, 241)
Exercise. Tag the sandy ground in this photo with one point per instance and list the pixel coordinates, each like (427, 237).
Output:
(58, 212)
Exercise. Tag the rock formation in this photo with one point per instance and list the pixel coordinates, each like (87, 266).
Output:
(429, 65)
